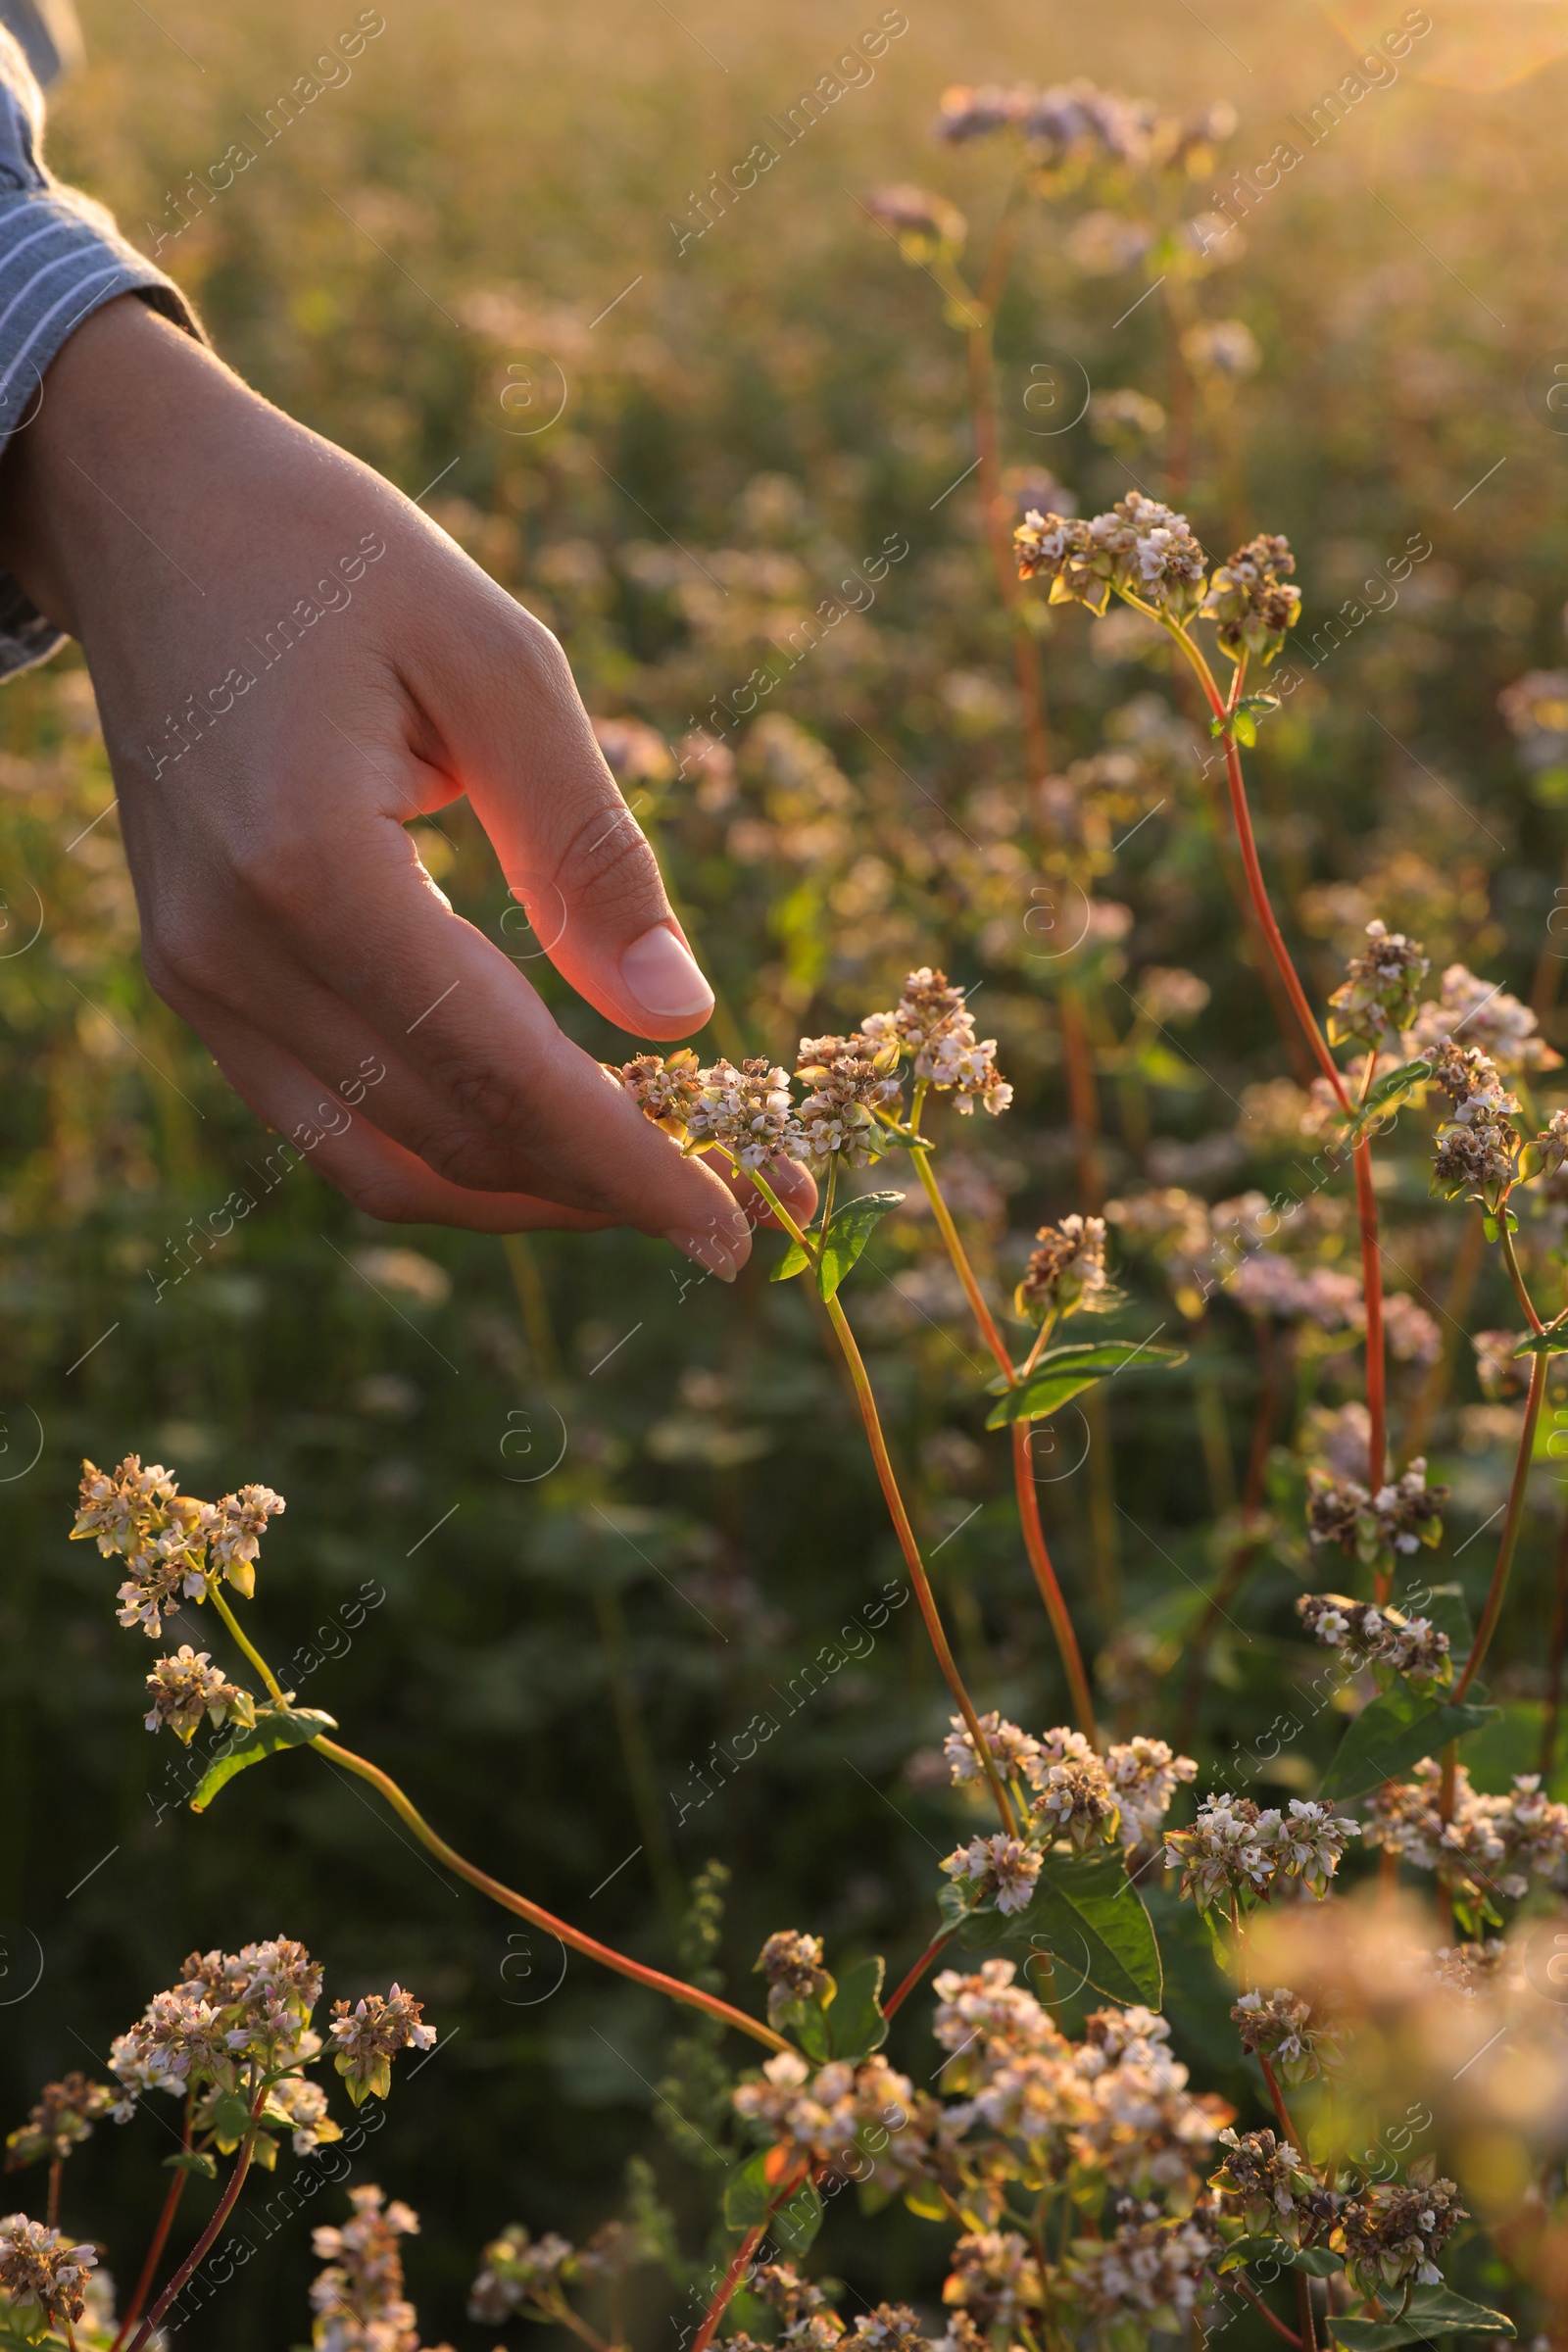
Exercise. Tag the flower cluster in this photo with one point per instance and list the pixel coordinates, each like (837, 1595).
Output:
(1490, 1847)
(1236, 1852)
(1149, 2276)
(746, 1112)
(1075, 118)
(793, 1966)
(1371, 1636)
(1260, 2182)
(43, 2274)
(1066, 1272)
(851, 1084)
(1379, 991)
(1392, 2233)
(924, 224)
(63, 2118)
(188, 1685)
(174, 1548)
(519, 2270)
(357, 2298)
(1139, 549)
(998, 1869)
(367, 2037)
(1478, 1144)
(1400, 1516)
(1490, 1019)
(230, 2015)
(842, 2114)
(1250, 600)
(1116, 2102)
(1283, 2028)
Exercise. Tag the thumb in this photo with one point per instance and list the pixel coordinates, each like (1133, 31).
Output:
(572, 851)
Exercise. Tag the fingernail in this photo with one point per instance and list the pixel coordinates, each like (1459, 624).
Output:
(704, 1249)
(661, 974)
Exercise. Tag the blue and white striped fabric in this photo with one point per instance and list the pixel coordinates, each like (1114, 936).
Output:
(60, 256)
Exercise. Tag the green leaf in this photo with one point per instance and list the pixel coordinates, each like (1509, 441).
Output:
(275, 1728)
(1387, 1737)
(1317, 2261)
(229, 2118)
(750, 2193)
(1062, 1373)
(1553, 1340)
(795, 1260)
(1085, 1914)
(1244, 726)
(193, 2160)
(1434, 2311)
(855, 2021)
(1388, 1091)
(851, 1228)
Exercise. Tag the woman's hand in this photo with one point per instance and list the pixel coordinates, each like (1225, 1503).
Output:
(290, 661)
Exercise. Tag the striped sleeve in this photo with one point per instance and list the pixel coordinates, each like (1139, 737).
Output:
(60, 256)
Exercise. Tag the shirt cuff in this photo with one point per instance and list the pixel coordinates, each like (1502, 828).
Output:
(61, 259)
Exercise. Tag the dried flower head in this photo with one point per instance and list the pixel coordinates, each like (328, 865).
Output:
(1285, 2029)
(932, 1027)
(43, 2274)
(1236, 1850)
(793, 1966)
(173, 1545)
(840, 2112)
(1258, 2183)
(1066, 1270)
(838, 1117)
(229, 2012)
(1379, 991)
(1388, 2233)
(667, 1088)
(1488, 1848)
(1373, 1635)
(1152, 2273)
(62, 2120)
(188, 1685)
(1076, 1802)
(367, 2037)
(995, 2279)
(1250, 599)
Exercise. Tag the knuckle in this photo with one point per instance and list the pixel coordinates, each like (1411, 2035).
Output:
(608, 859)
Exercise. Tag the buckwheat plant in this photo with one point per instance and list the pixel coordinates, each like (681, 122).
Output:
(1088, 2193)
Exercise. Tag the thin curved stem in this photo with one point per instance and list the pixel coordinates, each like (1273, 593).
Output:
(866, 1398)
(742, 2256)
(1372, 1294)
(1261, 2308)
(1511, 1260)
(1051, 1593)
(1510, 1529)
(249, 1648)
(897, 1999)
(923, 1594)
(511, 1900)
(1034, 1535)
(225, 2207)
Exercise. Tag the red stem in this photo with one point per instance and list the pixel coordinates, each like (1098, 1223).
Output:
(225, 2206)
(742, 2255)
(1242, 816)
(898, 1998)
(1255, 2299)
(1372, 1291)
(1051, 1593)
(1511, 1528)
(1557, 1644)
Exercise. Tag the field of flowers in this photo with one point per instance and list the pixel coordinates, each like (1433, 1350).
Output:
(739, 346)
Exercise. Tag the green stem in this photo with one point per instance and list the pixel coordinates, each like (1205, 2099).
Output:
(251, 1651)
(866, 1398)
(508, 1900)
